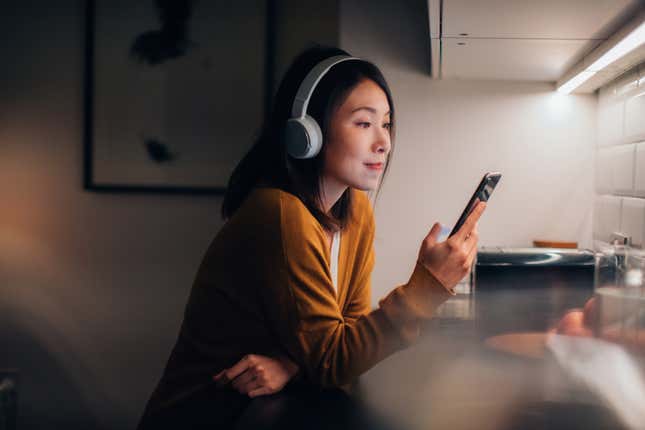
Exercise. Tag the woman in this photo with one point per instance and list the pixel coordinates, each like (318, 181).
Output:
(283, 292)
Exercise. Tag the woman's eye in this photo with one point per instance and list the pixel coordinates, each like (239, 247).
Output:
(364, 124)
(387, 125)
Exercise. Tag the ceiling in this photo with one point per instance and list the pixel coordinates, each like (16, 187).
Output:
(523, 40)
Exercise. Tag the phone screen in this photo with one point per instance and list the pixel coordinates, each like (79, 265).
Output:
(482, 193)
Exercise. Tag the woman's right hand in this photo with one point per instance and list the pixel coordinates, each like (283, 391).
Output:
(451, 260)
(258, 375)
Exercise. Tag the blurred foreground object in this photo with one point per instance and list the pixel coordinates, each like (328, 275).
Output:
(8, 400)
(617, 312)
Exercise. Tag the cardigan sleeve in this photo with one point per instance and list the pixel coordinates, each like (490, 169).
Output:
(331, 350)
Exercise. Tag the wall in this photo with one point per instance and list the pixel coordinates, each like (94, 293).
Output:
(298, 25)
(92, 286)
(450, 132)
(620, 158)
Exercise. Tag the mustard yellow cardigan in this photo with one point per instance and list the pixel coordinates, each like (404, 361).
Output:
(265, 287)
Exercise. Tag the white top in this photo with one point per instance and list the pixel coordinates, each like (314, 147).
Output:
(333, 266)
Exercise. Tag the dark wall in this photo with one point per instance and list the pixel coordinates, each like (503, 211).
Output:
(92, 286)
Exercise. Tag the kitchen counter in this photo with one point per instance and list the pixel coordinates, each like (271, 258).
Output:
(453, 379)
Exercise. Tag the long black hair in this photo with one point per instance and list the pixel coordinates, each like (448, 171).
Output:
(267, 162)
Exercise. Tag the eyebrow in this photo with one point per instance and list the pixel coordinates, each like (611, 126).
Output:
(368, 108)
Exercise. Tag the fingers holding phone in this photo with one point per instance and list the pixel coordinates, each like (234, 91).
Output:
(449, 261)
(471, 243)
(469, 227)
(482, 194)
(464, 236)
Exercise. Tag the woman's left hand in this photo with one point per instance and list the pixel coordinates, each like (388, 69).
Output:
(257, 375)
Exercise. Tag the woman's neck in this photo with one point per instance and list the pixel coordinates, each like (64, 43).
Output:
(330, 192)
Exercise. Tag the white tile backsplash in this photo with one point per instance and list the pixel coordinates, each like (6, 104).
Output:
(639, 176)
(622, 168)
(610, 122)
(632, 219)
(620, 158)
(606, 216)
(615, 169)
(635, 115)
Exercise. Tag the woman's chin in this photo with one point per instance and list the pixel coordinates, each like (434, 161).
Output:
(365, 187)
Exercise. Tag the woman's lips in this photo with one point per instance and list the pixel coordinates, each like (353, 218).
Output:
(375, 166)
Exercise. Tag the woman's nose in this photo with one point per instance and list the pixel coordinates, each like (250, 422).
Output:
(383, 142)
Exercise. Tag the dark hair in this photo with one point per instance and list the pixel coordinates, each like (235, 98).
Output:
(267, 162)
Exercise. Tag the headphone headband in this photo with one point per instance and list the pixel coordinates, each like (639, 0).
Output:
(302, 135)
(308, 85)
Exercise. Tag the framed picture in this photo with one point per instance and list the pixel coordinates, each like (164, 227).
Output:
(175, 92)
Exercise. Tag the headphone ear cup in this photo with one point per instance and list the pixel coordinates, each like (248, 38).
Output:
(303, 137)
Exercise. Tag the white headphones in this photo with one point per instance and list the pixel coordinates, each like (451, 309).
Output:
(302, 134)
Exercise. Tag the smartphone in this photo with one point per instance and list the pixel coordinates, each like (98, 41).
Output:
(482, 193)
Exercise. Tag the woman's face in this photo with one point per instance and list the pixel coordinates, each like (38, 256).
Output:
(358, 135)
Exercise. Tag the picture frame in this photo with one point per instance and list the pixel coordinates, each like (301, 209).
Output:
(175, 92)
